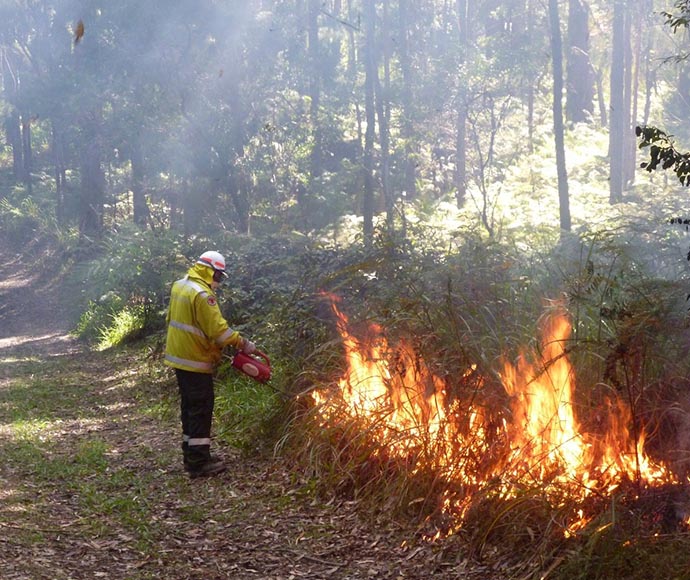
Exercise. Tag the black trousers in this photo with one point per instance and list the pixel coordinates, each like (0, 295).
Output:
(196, 411)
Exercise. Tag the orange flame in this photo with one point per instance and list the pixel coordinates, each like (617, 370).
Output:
(406, 411)
(402, 407)
(545, 430)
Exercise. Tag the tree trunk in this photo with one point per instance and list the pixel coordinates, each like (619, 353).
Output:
(92, 190)
(13, 133)
(531, 89)
(383, 111)
(12, 126)
(232, 176)
(240, 200)
(27, 152)
(632, 78)
(649, 75)
(557, 53)
(60, 172)
(617, 129)
(316, 160)
(370, 114)
(191, 209)
(406, 129)
(139, 206)
(603, 117)
(463, 9)
(580, 85)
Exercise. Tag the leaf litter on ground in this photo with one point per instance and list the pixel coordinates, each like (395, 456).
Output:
(93, 487)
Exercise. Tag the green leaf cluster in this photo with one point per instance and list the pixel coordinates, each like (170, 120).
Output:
(663, 154)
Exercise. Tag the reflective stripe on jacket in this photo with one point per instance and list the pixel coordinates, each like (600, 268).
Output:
(197, 331)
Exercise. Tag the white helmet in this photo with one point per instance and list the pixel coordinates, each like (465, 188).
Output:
(213, 260)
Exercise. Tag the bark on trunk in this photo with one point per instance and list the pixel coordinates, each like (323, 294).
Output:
(381, 93)
(139, 206)
(240, 201)
(634, 29)
(13, 133)
(580, 85)
(616, 148)
(27, 152)
(58, 146)
(92, 191)
(406, 128)
(316, 160)
(557, 54)
(463, 9)
(370, 114)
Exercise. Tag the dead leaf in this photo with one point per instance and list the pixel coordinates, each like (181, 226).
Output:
(78, 32)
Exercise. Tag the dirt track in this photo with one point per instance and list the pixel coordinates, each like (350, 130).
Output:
(32, 319)
(146, 519)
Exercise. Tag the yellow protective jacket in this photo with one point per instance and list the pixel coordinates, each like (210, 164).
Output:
(197, 331)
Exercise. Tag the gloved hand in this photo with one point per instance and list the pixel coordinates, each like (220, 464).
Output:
(248, 347)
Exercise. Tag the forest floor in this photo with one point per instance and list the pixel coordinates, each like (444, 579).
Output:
(92, 486)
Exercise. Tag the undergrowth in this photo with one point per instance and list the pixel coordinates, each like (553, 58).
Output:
(464, 312)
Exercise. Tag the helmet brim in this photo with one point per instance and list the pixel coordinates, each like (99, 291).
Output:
(208, 264)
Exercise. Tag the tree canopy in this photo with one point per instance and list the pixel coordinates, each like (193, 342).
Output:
(291, 114)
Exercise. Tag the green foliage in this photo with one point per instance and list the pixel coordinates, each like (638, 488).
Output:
(96, 316)
(26, 219)
(663, 153)
(110, 322)
(477, 306)
(248, 414)
(15, 221)
(461, 305)
(680, 20)
(126, 285)
(123, 325)
(87, 458)
(462, 300)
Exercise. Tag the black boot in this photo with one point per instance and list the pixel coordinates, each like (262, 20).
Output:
(208, 469)
(201, 464)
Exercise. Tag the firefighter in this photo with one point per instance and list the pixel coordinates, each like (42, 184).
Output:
(197, 334)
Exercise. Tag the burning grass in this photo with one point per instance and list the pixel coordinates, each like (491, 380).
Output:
(485, 459)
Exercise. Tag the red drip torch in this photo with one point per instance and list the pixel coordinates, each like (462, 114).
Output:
(252, 365)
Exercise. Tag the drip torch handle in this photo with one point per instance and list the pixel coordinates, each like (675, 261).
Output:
(262, 355)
